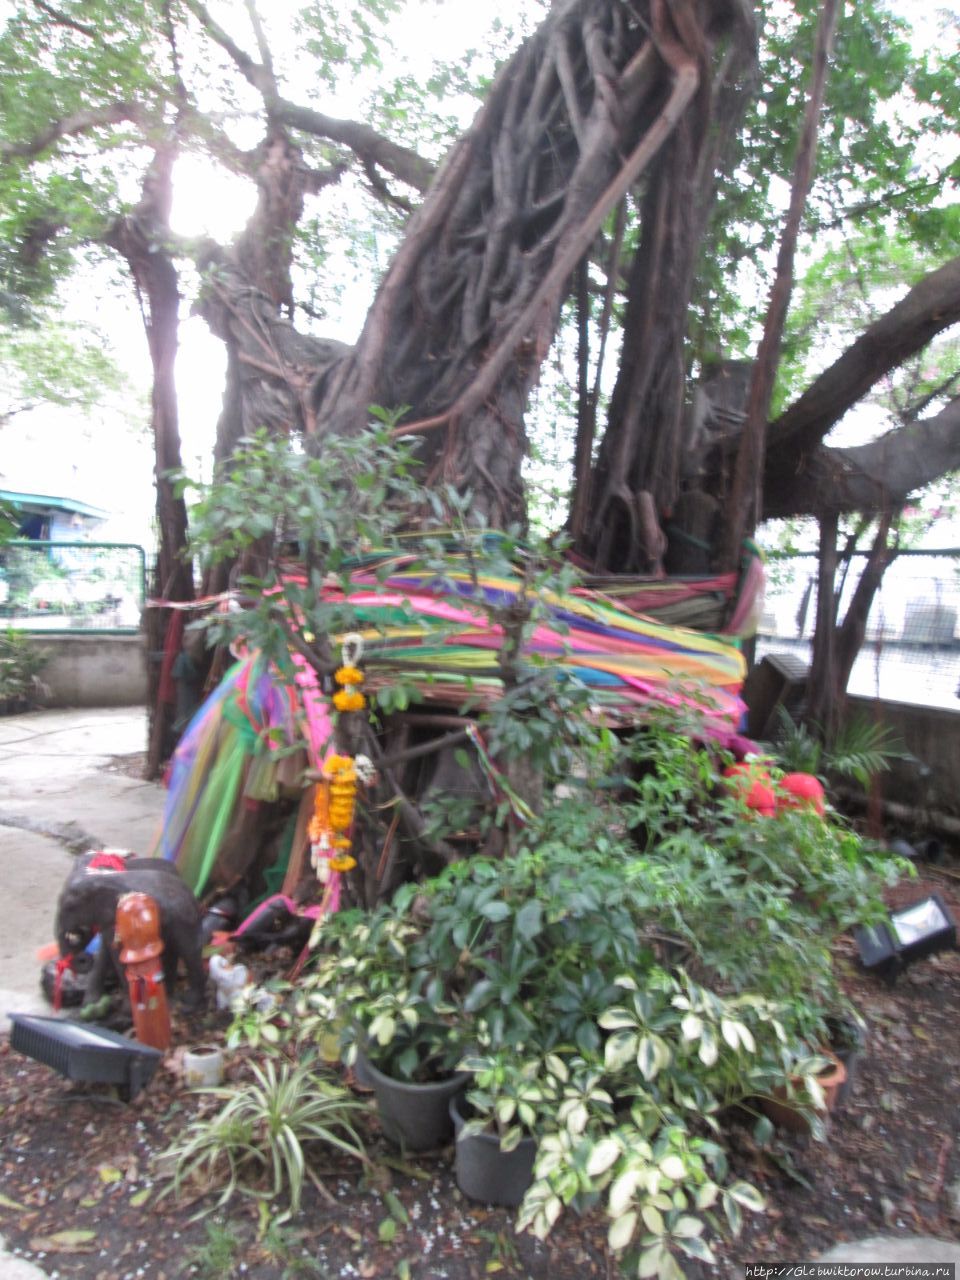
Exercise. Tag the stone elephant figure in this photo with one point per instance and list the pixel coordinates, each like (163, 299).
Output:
(88, 904)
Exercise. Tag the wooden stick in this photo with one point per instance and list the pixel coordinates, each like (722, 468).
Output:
(387, 844)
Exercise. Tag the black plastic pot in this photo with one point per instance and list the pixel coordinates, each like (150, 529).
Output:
(415, 1116)
(486, 1173)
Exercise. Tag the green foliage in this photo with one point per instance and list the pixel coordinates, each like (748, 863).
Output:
(612, 996)
(511, 1095)
(797, 748)
(379, 995)
(21, 661)
(326, 505)
(49, 362)
(8, 523)
(261, 1141)
(883, 171)
(217, 1256)
(861, 748)
(846, 286)
(91, 57)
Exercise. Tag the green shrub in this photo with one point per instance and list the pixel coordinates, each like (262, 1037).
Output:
(645, 961)
(21, 662)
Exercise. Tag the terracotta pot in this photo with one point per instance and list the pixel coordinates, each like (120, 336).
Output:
(784, 1113)
(847, 1041)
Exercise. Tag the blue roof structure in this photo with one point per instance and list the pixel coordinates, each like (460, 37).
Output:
(42, 503)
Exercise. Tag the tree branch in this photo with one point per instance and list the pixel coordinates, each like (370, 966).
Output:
(315, 180)
(381, 190)
(875, 476)
(363, 141)
(932, 305)
(64, 20)
(746, 492)
(266, 57)
(259, 76)
(69, 126)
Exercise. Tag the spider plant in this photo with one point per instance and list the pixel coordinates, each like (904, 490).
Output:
(258, 1142)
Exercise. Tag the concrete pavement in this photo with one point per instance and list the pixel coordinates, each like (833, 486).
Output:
(58, 798)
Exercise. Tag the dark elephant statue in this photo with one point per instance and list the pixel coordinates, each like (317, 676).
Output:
(88, 905)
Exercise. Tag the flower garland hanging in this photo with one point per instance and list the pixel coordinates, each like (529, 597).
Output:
(350, 697)
(336, 791)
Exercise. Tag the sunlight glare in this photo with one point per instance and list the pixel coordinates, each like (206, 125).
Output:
(209, 201)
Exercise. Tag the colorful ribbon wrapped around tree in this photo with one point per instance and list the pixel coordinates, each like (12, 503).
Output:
(440, 637)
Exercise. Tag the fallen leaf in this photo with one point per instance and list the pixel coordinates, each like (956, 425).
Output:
(7, 1203)
(65, 1242)
(140, 1198)
(109, 1174)
(396, 1207)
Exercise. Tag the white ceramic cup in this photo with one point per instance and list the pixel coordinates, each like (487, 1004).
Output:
(202, 1066)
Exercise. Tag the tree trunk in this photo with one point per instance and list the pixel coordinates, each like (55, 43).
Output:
(640, 450)
(141, 239)
(468, 308)
(823, 692)
(637, 476)
(853, 629)
(273, 371)
(247, 300)
(745, 504)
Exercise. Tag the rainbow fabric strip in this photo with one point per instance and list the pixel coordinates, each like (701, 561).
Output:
(441, 636)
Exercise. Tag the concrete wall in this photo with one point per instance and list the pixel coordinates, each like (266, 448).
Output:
(94, 671)
(932, 736)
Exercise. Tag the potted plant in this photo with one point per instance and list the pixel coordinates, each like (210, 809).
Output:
(813, 1085)
(846, 1035)
(396, 1023)
(406, 1047)
(496, 1121)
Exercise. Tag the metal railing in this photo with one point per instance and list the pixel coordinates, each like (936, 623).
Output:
(912, 648)
(97, 587)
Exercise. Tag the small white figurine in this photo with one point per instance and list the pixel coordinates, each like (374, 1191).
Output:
(229, 979)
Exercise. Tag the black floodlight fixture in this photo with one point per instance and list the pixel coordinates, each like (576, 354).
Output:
(909, 934)
(85, 1053)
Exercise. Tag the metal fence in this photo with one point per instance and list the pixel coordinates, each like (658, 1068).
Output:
(72, 586)
(912, 647)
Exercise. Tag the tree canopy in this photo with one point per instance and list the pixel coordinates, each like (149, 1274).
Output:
(618, 199)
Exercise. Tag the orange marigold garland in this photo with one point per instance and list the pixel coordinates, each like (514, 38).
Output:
(349, 697)
(334, 808)
(336, 794)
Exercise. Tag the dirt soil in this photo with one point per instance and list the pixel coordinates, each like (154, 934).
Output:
(79, 1186)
